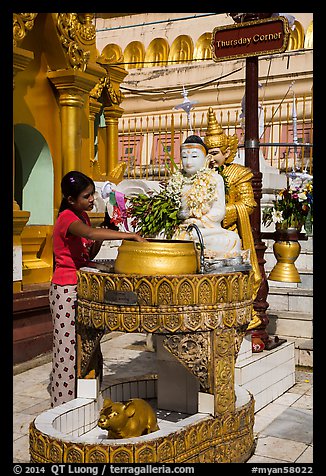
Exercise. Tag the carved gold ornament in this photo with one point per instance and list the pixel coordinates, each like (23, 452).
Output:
(176, 303)
(104, 84)
(85, 29)
(22, 23)
(68, 27)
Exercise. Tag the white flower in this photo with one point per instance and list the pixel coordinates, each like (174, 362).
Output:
(202, 191)
(277, 216)
(302, 196)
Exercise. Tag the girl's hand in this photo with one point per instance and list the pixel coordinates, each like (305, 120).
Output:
(137, 237)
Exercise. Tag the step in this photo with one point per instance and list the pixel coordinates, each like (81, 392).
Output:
(303, 350)
(297, 325)
(294, 299)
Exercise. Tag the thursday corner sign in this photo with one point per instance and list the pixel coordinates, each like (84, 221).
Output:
(252, 38)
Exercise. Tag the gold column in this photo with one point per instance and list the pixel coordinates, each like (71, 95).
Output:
(21, 58)
(94, 108)
(112, 111)
(72, 85)
(20, 218)
(71, 104)
(112, 115)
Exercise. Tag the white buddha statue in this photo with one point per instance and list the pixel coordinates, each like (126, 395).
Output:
(203, 202)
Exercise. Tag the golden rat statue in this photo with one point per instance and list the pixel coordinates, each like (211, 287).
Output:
(123, 420)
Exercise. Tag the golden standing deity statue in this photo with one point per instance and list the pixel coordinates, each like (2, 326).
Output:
(240, 200)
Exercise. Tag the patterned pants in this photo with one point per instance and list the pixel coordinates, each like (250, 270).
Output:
(63, 305)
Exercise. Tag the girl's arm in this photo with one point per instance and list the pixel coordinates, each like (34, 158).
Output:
(78, 228)
(95, 248)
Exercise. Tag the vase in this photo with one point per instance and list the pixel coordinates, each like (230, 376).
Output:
(286, 250)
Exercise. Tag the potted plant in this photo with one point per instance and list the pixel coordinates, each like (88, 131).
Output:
(291, 210)
(293, 205)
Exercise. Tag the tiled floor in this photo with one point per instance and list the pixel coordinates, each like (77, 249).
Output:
(283, 428)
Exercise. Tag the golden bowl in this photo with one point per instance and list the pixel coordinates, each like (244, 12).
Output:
(157, 257)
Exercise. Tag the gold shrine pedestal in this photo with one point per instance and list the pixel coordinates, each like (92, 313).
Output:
(208, 315)
(286, 250)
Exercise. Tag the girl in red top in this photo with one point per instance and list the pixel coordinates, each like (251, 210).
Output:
(75, 243)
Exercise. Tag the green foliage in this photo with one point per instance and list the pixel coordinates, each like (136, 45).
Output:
(154, 214)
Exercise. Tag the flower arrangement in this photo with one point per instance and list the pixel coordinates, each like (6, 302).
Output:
(160, 212)
(155, 213)
(293, 206)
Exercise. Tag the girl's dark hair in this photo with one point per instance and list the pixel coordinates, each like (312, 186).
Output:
(72, 184)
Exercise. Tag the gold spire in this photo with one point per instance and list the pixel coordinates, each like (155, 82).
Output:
(216, 137)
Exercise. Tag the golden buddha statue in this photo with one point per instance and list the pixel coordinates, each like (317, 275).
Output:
(240, 197)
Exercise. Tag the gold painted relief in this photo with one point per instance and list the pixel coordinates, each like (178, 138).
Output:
(172, 322)
(235, 288)
(185, 293)
(229, 317)
(125, 284)
(179, 445)
(222, 290)
(73, 454)
(194, 352)
(224, 395)
(55, 451)
(158, 308)
(203, 47)
(151, 323)
(94, 454)
(95, 289)
(145, 453)
(134, 55)
(122, 454)
(111, 95)
(164, 293)
(193, 319)
(109, 284)
(111, 54)
(83, 286)
(144, 293)
(97, 318)
(112, 321)
(205, 294)
(165, 450)
(131, 321)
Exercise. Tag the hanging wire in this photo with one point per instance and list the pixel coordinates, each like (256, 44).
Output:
(264, 92)
(179, 89)
(287, 92)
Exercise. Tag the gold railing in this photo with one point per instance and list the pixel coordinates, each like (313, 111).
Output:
(146, 143)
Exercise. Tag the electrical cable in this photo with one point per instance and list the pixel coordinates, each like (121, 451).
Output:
(188, 88)
(287, 92)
